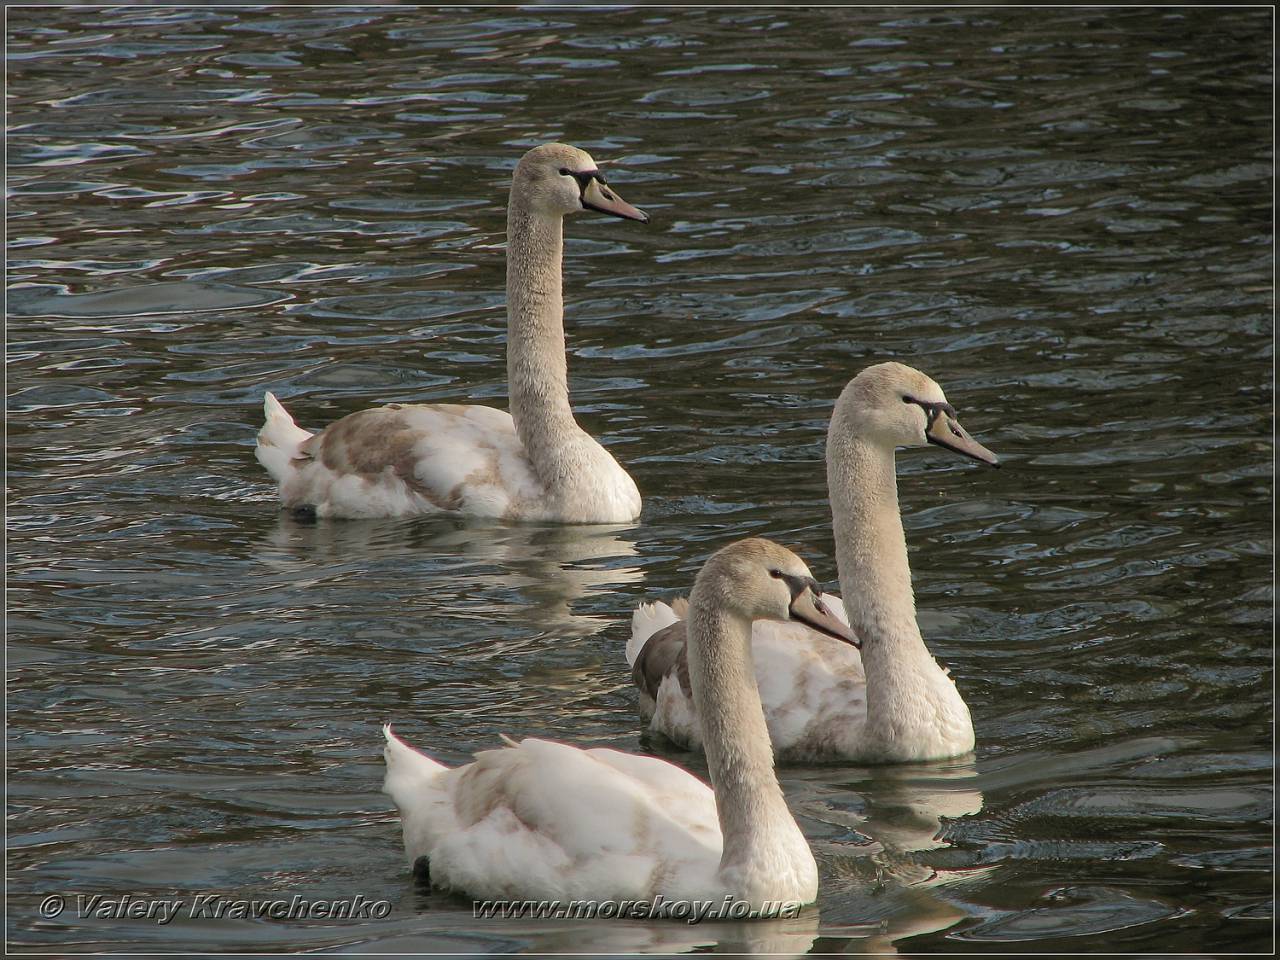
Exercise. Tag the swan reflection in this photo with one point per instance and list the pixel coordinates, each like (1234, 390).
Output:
(882, 834)
(534, 574)
(442, 915)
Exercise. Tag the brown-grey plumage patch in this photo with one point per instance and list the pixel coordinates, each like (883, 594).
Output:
(664, 651)
(482, 786)
(661, 877)
(371, 442)
(824, 738)
(477, 790)
(487, 475)
(308, 448)
(642, 837)
(366, 442)
(800, 688)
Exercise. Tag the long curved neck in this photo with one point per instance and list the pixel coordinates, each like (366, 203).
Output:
(537, 377)
(914, 710)
(871, 553)
(761, 838)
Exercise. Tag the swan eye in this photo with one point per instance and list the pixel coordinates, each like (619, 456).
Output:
(564, 172)
(908, 398)
(776, 574)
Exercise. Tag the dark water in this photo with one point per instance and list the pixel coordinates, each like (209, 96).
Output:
(1063, 215)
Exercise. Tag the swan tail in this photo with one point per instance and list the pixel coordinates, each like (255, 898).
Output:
(648, 619)
(409, 772)
(279, 439)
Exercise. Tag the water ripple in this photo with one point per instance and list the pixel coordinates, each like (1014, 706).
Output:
(1062, 214)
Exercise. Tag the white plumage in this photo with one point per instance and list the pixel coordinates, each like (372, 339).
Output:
(547, 819)
(411, 459)
(824, 700)
(534, 463)
(538, 819)
(812, 686)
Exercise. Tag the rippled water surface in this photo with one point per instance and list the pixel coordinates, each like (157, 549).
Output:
(1063, 215)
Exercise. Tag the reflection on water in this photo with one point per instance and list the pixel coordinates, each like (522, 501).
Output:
(876, 831)
(537, 573)
(785, 937)
(1064, 215)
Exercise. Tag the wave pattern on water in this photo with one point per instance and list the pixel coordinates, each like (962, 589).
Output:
(1063, 215)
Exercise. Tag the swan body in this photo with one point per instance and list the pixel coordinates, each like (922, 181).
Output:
(889, 701)
(812, 687)
(532, 464)
(539, 819)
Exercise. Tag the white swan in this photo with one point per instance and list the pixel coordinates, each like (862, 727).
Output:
(535, 463)
(538, 819)
(890, 702)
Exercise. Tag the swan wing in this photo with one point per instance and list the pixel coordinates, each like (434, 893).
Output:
(812, 687)
(407, 459)
(544, 819)
(647, 620)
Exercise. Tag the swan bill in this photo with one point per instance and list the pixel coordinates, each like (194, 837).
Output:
(945, 431)
(600, 198)
(807, 608)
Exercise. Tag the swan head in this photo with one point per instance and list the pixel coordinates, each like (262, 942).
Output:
(898, 406)
(757, 579)
(556, 179)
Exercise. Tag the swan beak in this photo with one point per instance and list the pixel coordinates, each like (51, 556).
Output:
(945, 430)
(807, 608)
(596, 196)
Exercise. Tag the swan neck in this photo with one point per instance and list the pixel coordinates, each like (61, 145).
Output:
(914, 710)
(758, 829)
(871, 546)
(536, 368)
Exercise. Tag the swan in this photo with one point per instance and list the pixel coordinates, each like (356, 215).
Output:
(883, 699)
(539, 819)
(534, 464)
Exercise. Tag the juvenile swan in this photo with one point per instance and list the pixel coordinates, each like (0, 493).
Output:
(535, 463)
(538, 819)
(889, 703)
